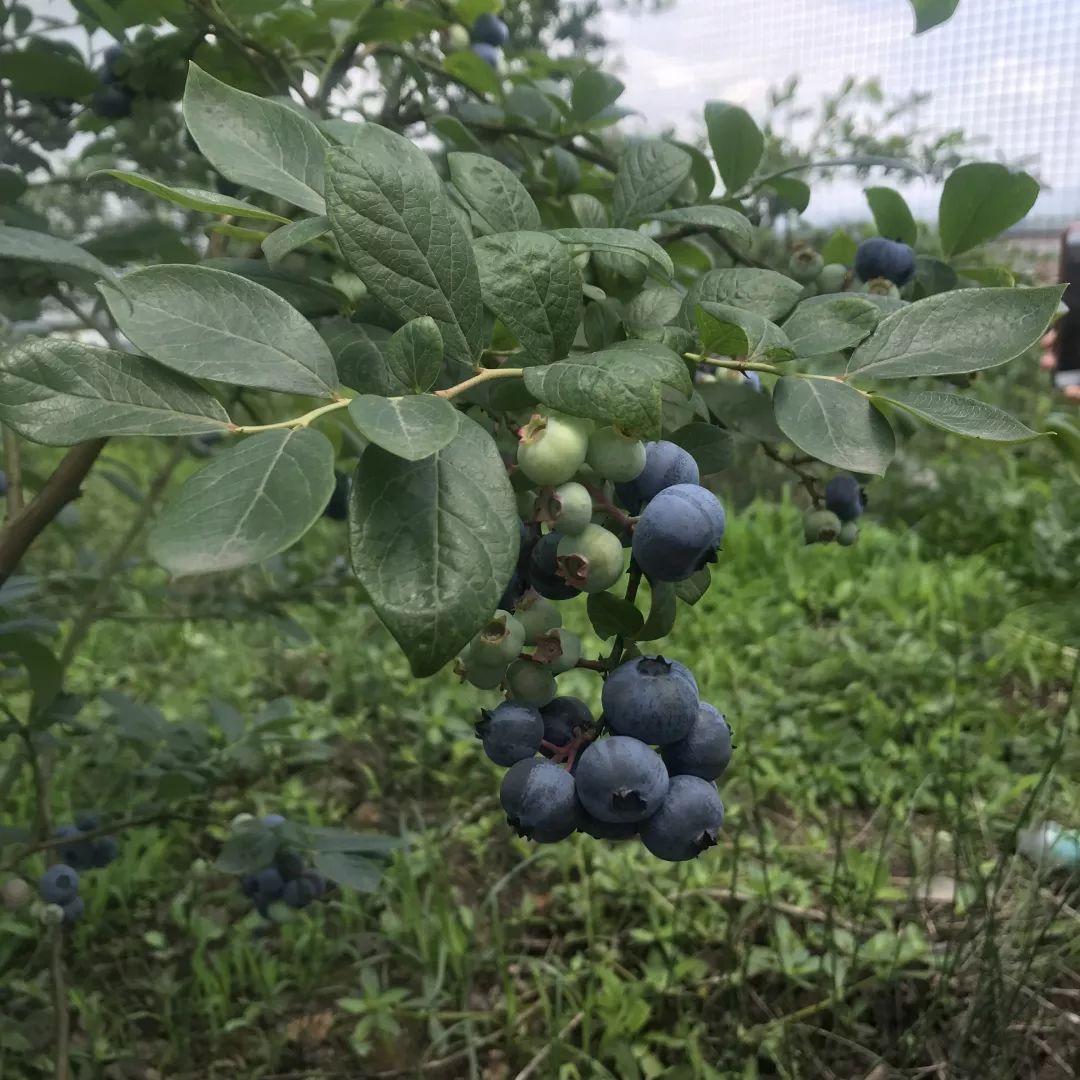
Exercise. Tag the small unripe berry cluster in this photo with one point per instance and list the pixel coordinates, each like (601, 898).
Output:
(816, 276)
(287, 883)
(58, 887)
(845, 501)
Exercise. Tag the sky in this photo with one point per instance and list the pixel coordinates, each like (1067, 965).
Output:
(1006, 70)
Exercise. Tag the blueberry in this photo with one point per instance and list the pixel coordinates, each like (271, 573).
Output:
(317, 883)
(615, 456)
(3, 482)
(805, 265)
(844, 497)
(688, 821)
(289, 864)
(87, 822)
(249, 885)
(880, 257)
(651, 699)
(558, 650)
(515, 589)
(880, 286)
(488, 53)
(679, 532)
(271, 883)
(298, 893)
(537, 614)
(551, 449)
(337, 509)
(568, 508)
(482, 676)
(539, 800)
(272, 821)
(112, 56)
(833, 278)
(105, 850)
(79, 853)
(111, 102)
(543, 570)
(74, 909)
(530, 682)
(59, 884)
(511, 731)
(489, 29)
(606, 830)
(754, 379)
(499, 642)
(705, 751)
(821, 526)
(620, 779)
(561, 716)
(226, 187)
(848, 535)
(666, 464)
(592, 561)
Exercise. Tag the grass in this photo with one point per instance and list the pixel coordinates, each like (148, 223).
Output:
(865, 910)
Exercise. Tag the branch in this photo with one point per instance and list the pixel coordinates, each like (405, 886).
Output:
(63, 486)
(13, 472)
(60, 1003)
(808, 480)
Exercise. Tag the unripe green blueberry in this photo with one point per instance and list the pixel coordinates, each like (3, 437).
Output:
(551, 449)
(537, 614)
(880, 286)
(482, 676)
(615, 456)
(529, 682)
(51, 914)
(499, 642)
(567, 508)
(805, 265)
(557, 650)
(833, 278)
(241, 820)
(849, 533)
(16, 893)
(456, 38)
(808, 290)
(821, 526)
(591, 561)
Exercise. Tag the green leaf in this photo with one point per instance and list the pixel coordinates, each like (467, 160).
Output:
(741, 408)
(530, 282)
(249, 503)
(765, 292)
(732, 331)
(722, 219)
(292, 236)
(359, 351)
(247, 850)
(307, 294)
(835, 423)
(411, 427)
(931, 13)
(475, 73)
(690, 590)
(796, 193)
(891, 214)
(611, 615)
(211, 324)
(618, 385)
(651, 308)
(323, 838)
(32, 246)
(839, 248)
(736, 141)
(662, 611)
(348, 869)
(981, 200)
(495, 198)
(649, 173)
(619, 242)
(593, 92)
(389, 22)
(256, 142)
(61, 392)
(434, 542)
(1000, 276)
(394, 224)
(933, 276)
(962, 415)
(43, 670)
(39, 71)
(12, 184)
(825, 324)
(207, 202)
(414, 355)
(711, 447)
(953, 332)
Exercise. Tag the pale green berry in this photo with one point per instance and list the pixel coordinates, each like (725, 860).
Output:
(805, 265)
(499, 642)
(551, 449)
(530, 683)
(567, 508)
(833, 278)
(557, 650)
(849, 533)
(615, 456)
(821, 526)
(880, 286)
(591, 561)
(537, 614)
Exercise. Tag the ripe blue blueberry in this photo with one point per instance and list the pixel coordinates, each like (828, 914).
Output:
(544, 569)
(880, 257)
(298, 893)
(620, 779)
(615, 456)
(592, 561)
(74, 909)
(606, 830)
(249, 885)
(79, 853)
(844, 497)
(111, 102)
(530, 682)
(59, 884)
(488, 53)
(105, 850)
(87, 822)
(317, 883)
(289, 864)
(666, 464)
(679, 532)
(540, 801)
(754, 379)
(489, 29)
(272, 821)
(688, 821)
(337, 509)
(510, 732)
(270, 883)
(561, 716)
(651, 699)
(705, 751)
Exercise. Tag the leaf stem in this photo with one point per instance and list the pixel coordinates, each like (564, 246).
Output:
(482, 377)
(735, 365)
(295, 422)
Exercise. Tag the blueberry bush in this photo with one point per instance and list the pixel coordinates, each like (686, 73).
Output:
(443, 295)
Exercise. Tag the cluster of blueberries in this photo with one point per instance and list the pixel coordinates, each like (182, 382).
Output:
(882, 266)
(616, 786)
(845, 500)
(59, 885)
(112, 100)
(287, 880)
(486, 38)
